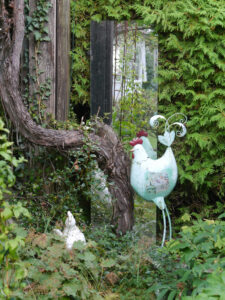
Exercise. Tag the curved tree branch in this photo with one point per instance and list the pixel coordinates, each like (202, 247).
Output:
(111, 157)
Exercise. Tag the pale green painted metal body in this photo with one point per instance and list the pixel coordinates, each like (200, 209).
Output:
(153, 179)
(148, 148)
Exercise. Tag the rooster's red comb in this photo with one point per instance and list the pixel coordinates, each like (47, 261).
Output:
(142, 133)
(136, 141)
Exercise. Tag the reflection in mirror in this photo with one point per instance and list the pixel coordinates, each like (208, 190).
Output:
(123, 72)
(134, 96)
(101, 206)
(135, 59)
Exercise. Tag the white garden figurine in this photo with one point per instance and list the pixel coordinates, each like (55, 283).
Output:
(71, 232)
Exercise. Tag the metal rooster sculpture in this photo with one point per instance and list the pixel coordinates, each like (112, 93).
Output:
(152, 178)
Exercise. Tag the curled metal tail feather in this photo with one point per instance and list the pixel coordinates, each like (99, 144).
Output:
(166, 139)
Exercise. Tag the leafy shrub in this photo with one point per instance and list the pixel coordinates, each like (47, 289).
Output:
(130, 115)
(13, 270)
(98, 270)
(57, 273)
(193, 265)
(191, 68)
(214, 287)
(53, 183)
(7, 161)
(47, 189)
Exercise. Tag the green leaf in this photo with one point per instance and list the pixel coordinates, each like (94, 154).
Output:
(221, 216)
(189, 254)
(89, 256)
(67, 271)
(79, 245)
(6, 213)
(71, 289)
(97, 18)
(162, 293)
(37, 35)
(186, 217)
(5, 155)
(108, 263)
(20, 273)
(46, 39)
(13, 244)
(220, 243)
(19, 210)
(172, 295)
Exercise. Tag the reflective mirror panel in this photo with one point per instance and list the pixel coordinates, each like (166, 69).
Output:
(134, 85)
(134, 96)
(130, 58)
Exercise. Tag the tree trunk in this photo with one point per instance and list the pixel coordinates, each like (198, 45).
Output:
(110, 154)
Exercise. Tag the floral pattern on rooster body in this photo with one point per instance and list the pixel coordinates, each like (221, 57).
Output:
(157, 182)
(152, 178)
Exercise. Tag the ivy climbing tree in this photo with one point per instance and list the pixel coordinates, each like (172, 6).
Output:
(110, 154)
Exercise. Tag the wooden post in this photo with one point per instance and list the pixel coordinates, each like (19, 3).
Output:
(50, 61)
(101, 68)
(63, 59)
(42, 59)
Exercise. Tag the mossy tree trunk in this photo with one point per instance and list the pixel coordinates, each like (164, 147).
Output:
(110, 154)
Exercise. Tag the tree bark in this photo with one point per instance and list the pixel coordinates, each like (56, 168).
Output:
(110, 154)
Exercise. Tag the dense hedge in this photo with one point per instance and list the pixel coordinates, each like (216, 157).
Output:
(191, 77)
(191, 74)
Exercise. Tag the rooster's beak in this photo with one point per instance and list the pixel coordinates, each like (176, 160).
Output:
(132, 150)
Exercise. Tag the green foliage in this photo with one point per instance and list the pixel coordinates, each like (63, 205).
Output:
(12, 269)
(53, 183)
(59, 274)
(190, 267)
(127, 267)
(193, 265)
(130, 115)
(47, 188)
(6, 174)
(134, 103)
(82, 12)
(191, 43)
(191, 81)
(36, 90)
(36, 22)
(97, 270)
(7, 161)
(214, 287)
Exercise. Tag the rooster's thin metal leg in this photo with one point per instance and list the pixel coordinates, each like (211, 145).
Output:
(169, 221)
(164, 228)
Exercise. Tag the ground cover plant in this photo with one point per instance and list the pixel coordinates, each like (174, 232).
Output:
(12, 268)
(37, 265)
